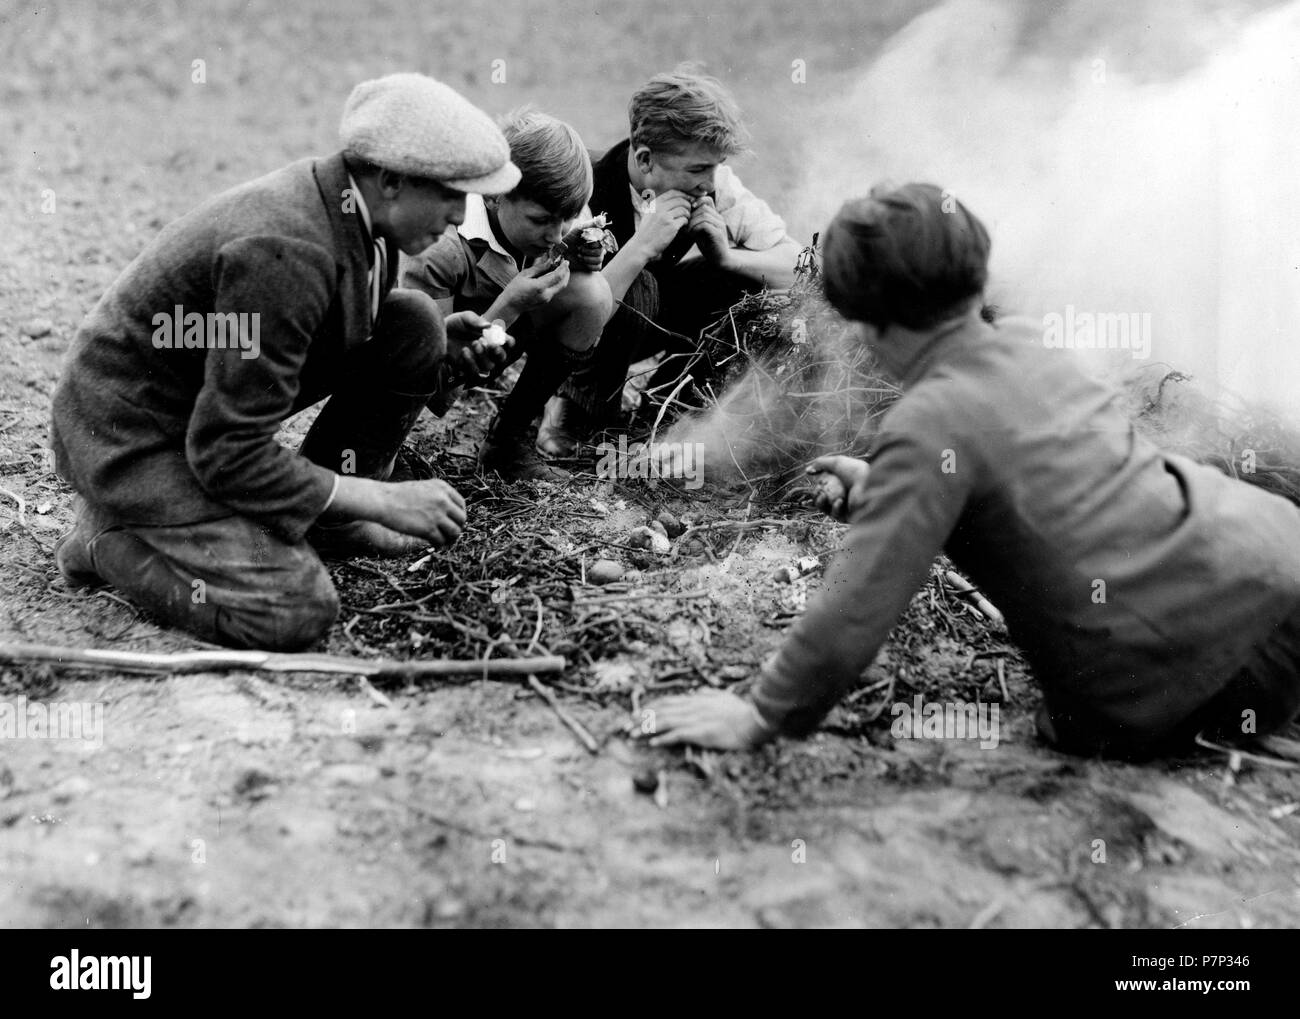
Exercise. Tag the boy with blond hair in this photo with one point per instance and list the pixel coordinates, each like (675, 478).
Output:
(692, 240)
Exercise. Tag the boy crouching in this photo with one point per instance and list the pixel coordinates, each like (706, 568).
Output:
(499, 263)
(187, 503)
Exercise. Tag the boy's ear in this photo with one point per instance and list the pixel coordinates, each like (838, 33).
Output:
(644, 157)
(390, 183)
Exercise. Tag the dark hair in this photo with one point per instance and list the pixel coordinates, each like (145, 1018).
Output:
(684, 107)
(554, 167)
(912, 255)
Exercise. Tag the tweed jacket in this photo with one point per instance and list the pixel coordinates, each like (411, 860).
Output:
(156, 432)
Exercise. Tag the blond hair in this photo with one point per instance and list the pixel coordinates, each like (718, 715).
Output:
(684, 107)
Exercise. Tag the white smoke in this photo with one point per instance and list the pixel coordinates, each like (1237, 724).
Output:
(1136, 159)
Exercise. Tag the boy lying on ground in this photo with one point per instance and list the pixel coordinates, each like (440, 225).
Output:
(498, 263)
(692, 241)
(1154, 598)
(257, 304)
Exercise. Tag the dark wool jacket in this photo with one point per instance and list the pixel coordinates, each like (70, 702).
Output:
(171, 436)
(611, 196)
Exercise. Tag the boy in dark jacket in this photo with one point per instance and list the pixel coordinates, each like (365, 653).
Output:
(257, 304)
(1154, 597)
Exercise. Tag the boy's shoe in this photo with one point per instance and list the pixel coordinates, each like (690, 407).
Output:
(409, 465)
(73, 560)
(565, 427)
(512, 455)
(361, 539)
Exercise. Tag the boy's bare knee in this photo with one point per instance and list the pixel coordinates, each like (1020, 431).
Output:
(587, 292)
(587, 305)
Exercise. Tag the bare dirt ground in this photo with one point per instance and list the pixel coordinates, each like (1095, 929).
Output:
(240, 800)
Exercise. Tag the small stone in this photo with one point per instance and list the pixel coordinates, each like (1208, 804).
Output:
(808, 564)
(37, 328)
(71, 788)
(612, 675)
(655, 541)
(448, 909)
(351, 774)
(604, 571)
(254, 784)
(673, 527)
(658, 527)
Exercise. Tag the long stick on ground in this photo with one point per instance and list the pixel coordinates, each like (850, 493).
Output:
(268, 661)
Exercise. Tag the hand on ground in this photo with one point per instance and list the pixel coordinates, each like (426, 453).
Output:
(431, 510)
(714, 719)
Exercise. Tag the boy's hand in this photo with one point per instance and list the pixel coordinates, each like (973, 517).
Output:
(586, 255)
(536, 285)
(710, 232)
(714, 719)
(469, 350)
(431, 510)
(841, 487)
(660, 228)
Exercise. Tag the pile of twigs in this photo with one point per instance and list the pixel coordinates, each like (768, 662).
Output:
(1244, 442)
(514, 585)
(784, 379)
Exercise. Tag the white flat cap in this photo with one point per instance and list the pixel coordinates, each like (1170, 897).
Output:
(411, 123)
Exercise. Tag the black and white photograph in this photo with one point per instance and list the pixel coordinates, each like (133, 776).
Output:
(618, 464)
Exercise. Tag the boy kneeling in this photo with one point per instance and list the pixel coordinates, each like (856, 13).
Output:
(187, 504)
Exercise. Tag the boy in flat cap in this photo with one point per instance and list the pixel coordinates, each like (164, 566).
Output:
(255, 305)
(692, 241)
(497, 263)
(1155, 598)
